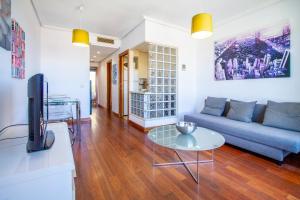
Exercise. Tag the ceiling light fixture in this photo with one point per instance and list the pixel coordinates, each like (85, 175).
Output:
(202, 26)
(98, 52)
(80, 37)
(94, 56)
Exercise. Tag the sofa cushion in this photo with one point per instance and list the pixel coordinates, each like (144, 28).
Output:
(214, 106)
(258, 113)
(241, 111)
(274, 137)
(283, 115)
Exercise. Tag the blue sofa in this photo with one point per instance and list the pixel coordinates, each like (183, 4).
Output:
(272, 142)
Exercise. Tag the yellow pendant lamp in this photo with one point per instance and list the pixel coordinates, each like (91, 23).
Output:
(202, 26)
(80, 37)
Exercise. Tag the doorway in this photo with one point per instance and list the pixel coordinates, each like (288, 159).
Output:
(109, 96)
(124, 84)
(93, 95)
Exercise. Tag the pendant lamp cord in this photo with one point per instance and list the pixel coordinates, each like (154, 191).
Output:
(81, 8)
(80, 16)
(80, 19)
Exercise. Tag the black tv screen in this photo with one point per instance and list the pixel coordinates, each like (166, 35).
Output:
(38, 137)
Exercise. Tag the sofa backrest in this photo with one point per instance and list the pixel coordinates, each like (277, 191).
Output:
(258, 114)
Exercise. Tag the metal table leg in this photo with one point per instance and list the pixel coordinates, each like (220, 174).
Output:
(185, 163)
(78, 117)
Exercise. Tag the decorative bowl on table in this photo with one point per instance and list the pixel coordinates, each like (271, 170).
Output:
(186, 127)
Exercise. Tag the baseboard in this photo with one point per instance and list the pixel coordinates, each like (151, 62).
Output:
(146, 130)
(135, 125)
(100, 106)
(116, 114)
(82, 121)
(85, 120)
(139, 127)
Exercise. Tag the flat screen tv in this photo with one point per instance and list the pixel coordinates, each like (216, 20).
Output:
(39, 138)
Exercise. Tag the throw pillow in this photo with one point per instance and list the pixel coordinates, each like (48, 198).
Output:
(284, 115)
(214, 106)
(241, 111)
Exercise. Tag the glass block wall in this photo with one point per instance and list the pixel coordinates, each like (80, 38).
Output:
(139, 104)
(162, 81)
(160, 101)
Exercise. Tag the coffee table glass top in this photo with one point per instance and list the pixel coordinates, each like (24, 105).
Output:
(201, 139)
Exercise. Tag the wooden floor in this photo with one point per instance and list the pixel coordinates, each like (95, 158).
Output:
(114, 161)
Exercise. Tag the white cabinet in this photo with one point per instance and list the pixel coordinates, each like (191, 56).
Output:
(43, 175)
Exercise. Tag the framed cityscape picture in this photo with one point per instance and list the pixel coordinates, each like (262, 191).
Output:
(18, 51)
(5, 24)
(263, 53)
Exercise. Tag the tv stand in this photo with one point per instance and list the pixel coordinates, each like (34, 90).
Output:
(50, 138)
(43, 175)
(46, 142)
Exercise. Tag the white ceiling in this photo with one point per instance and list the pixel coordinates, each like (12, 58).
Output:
(117, 17)
(98, 53)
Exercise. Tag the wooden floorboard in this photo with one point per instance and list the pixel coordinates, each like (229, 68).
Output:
(114, 161)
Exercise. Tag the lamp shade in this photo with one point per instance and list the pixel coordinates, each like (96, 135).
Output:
(202, 26)
(80, 37)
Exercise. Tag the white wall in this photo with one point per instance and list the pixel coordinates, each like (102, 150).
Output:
(161, 33)
(65, 66)
(280, 89)
(13, 92)
(102, 84)
(142, 69)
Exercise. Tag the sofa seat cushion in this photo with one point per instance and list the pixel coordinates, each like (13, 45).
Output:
(274, 137)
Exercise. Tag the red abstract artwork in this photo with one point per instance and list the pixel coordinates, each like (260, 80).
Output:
(18, 51)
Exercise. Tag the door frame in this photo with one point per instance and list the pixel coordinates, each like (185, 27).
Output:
(109, 85)
(121, 89)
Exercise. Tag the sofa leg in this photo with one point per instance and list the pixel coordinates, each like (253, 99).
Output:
(279, 163)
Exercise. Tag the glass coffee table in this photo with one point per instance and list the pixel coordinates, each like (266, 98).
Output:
(201, 139)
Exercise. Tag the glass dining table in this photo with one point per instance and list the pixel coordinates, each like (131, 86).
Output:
(63, 100)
